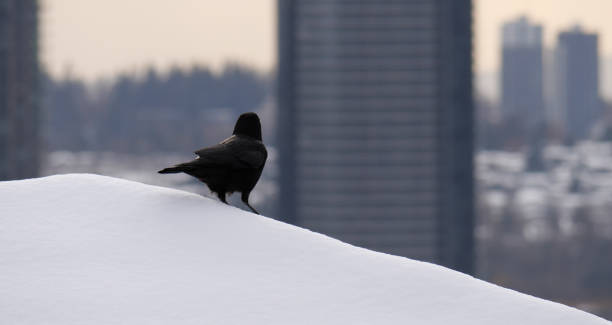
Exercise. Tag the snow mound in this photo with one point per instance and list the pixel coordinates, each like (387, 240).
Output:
(87, 249)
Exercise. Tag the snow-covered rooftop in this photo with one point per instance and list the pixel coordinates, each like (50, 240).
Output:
(87, 249)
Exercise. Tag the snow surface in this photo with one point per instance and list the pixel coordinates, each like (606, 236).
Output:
(88, 249)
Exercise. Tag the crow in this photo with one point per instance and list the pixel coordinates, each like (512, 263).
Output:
(233, 165)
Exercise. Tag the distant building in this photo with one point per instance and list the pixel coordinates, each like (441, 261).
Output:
(375, 124)
(577, 76)
(522, 71)
(19, 114)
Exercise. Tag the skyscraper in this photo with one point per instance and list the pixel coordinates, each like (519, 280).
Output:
(375, 124)
(19, 149)
(522, 70)
(577, 75)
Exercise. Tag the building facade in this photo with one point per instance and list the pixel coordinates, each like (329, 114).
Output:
(577, 76)
(19, 74)
(375, 124)
(522, 72)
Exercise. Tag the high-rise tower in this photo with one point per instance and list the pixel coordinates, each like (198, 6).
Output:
(375, 124)
(577, 76)
(522, 71)
(19, 115)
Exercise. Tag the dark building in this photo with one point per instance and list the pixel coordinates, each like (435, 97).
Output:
(522, 71)
(19, 113)
(375, 124)
(577, 75)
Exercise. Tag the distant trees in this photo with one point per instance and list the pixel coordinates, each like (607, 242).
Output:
(570, 265)
(175, 111)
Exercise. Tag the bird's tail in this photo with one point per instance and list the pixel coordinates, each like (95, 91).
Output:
(180, 168)
(172, 170)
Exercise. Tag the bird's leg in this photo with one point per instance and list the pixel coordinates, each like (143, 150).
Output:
(252, 209)
(245, 199)
(221, 195)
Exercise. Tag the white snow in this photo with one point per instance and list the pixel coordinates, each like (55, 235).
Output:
(87, 249)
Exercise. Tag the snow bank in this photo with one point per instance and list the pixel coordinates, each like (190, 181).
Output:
(87, 249)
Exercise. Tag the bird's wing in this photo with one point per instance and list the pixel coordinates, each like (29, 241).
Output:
(220, 155)
(254, 158)
(233, 152)
(216, 148)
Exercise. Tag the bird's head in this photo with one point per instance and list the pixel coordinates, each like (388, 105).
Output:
(248, 124)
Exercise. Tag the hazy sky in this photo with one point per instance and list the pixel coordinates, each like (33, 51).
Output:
(554, 15)
(97, 38)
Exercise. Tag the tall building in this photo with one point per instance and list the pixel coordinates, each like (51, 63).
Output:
(522, 71)
(577, 75)
(19, 116)
(375, 124)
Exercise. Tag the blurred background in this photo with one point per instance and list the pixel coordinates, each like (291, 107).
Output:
(472, 134)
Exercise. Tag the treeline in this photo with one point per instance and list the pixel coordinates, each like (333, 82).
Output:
(571, 266)
(176, 111)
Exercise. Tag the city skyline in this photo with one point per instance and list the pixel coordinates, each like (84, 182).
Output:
(95, 39)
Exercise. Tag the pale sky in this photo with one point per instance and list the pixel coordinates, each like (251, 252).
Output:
(98, 38)
(554, 15)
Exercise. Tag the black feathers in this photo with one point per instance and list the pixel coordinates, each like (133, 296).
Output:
(248, 124)
(233, 165)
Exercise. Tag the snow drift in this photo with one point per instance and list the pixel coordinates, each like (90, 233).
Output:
(87, 249)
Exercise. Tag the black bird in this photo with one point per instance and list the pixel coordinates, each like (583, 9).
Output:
(233, 165)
